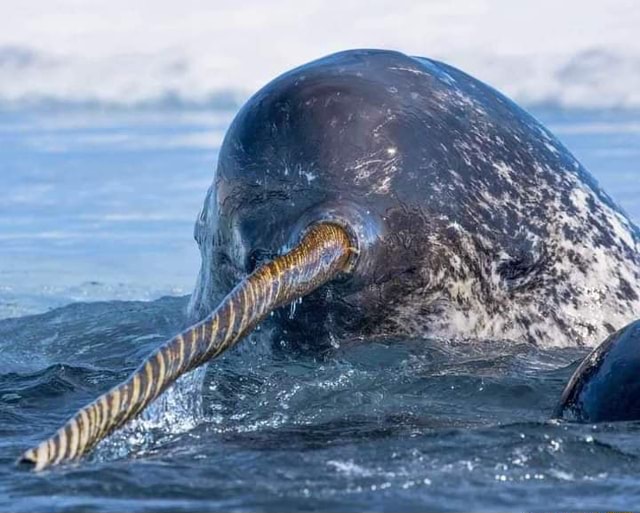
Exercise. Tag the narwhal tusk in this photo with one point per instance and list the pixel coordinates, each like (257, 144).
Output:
(323, 253)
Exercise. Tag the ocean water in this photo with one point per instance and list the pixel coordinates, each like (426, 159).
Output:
(96, 261)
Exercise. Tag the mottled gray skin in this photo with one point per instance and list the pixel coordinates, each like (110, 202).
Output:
(472, 220)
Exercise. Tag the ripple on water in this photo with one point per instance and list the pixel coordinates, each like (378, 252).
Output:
(384, 424)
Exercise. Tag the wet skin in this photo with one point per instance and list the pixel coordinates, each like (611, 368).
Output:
(462, 204)
(606, 385)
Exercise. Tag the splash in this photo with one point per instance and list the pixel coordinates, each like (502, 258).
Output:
(175, 412)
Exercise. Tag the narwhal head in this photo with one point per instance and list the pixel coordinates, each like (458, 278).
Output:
(457, 201)
(330, 141)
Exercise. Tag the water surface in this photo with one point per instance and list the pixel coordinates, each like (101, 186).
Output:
(96, 226)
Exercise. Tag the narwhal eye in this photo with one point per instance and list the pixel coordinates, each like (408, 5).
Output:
(522, 272)
(515, 268)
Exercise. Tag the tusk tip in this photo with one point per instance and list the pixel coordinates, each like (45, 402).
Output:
(29, 461)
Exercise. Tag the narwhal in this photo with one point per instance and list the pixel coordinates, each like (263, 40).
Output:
(387, 195)
(605, 387)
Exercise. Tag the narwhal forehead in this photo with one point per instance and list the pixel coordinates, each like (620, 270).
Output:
(361, 171)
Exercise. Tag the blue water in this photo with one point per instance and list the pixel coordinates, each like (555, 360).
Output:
(96, 226)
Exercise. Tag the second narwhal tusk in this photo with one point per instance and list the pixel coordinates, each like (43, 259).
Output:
(323, 253)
